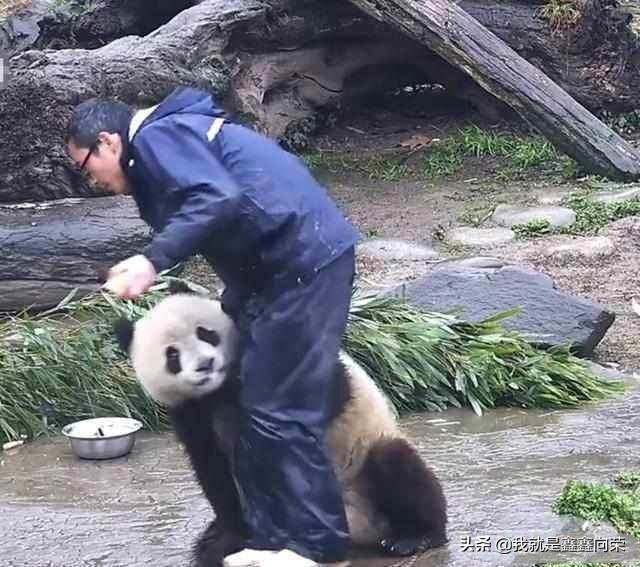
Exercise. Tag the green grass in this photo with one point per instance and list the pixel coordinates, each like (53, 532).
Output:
(533, 229)
(441, 159)
(520, 153)
(476, 214)
(72, 7)
(57, 370)
(561, 14)
(598, 502)
(375, 168)
(628, 481)
(592, 216)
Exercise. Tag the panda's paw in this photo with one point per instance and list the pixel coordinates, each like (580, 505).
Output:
(403, 547)
(214, 544)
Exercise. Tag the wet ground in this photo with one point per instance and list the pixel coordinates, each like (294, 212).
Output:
(501, 474)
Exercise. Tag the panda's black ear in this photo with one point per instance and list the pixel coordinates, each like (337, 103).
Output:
(123, 330)
(178, 286)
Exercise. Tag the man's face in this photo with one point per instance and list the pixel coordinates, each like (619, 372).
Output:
(100, 163)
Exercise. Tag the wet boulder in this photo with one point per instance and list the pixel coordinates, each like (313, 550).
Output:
(548, 316)
(47, 249)
(20, 24)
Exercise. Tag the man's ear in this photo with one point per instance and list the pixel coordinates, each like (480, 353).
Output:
(123, 330)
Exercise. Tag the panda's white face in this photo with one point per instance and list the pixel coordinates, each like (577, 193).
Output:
(182, 348)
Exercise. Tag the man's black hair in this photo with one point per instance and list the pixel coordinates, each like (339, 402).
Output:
(98, 115)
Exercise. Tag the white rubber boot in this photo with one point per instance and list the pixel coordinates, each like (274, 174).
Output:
(288, 558)
(268, 558)
(249, 558)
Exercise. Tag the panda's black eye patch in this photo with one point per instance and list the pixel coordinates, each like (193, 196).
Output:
(208, 336)
(173, 360)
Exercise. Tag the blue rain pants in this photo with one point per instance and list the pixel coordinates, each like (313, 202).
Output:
(291, 497)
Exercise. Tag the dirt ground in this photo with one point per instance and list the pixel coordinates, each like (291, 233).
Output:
(422, 210)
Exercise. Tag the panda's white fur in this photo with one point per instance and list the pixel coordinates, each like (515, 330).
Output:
(173, 322)
(367, 418)
(370, 472)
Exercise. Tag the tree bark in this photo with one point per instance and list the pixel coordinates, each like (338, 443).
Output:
(90, 25)
(462, 41)
(44, 86)
(46, 250)
(596, 60)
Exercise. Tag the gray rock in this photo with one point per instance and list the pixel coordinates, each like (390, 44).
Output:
(469, 236)
(548, 316)
(551, 197)
(586, 248)
(477, 262)
(393, 249)
(609, 373)
(510, 215)
(618, 196)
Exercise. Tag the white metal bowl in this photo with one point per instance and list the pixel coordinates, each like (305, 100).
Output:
(102, 437)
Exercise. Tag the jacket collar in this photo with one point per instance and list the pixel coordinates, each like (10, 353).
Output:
(138, 118)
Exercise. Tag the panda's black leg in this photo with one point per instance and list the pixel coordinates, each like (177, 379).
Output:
(214, 544)
(408, 493)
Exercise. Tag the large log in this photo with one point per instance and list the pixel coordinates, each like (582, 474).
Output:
(276, 63)
(460, 39)
(48, 249)
(44, 86)
(252, 52)
(596, 59)
(44, 24)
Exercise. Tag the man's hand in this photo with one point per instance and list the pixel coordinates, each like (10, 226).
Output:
(131, 277)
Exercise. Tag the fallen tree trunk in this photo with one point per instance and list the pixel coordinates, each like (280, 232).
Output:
(48, 249)
(595, 58)
(212, 46)
(460, 39)
(275, 63)
(44, 86)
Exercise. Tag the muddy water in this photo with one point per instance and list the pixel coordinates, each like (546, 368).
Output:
(501, 474)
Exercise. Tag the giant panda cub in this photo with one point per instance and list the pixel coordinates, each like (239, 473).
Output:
(185, 353)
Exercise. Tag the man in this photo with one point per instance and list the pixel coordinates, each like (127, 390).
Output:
(286, 257)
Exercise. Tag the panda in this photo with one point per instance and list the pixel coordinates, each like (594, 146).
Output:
(185, 352)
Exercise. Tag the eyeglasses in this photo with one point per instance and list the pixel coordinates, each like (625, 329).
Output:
(92, 148)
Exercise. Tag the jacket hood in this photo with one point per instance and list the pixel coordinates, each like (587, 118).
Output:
(183, 100)
(188, 100)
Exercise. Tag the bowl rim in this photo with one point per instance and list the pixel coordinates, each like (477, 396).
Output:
(136, 426)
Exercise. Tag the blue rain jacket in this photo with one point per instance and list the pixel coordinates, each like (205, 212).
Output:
(251, 208)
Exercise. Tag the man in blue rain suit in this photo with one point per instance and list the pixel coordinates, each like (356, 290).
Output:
(286, 256)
